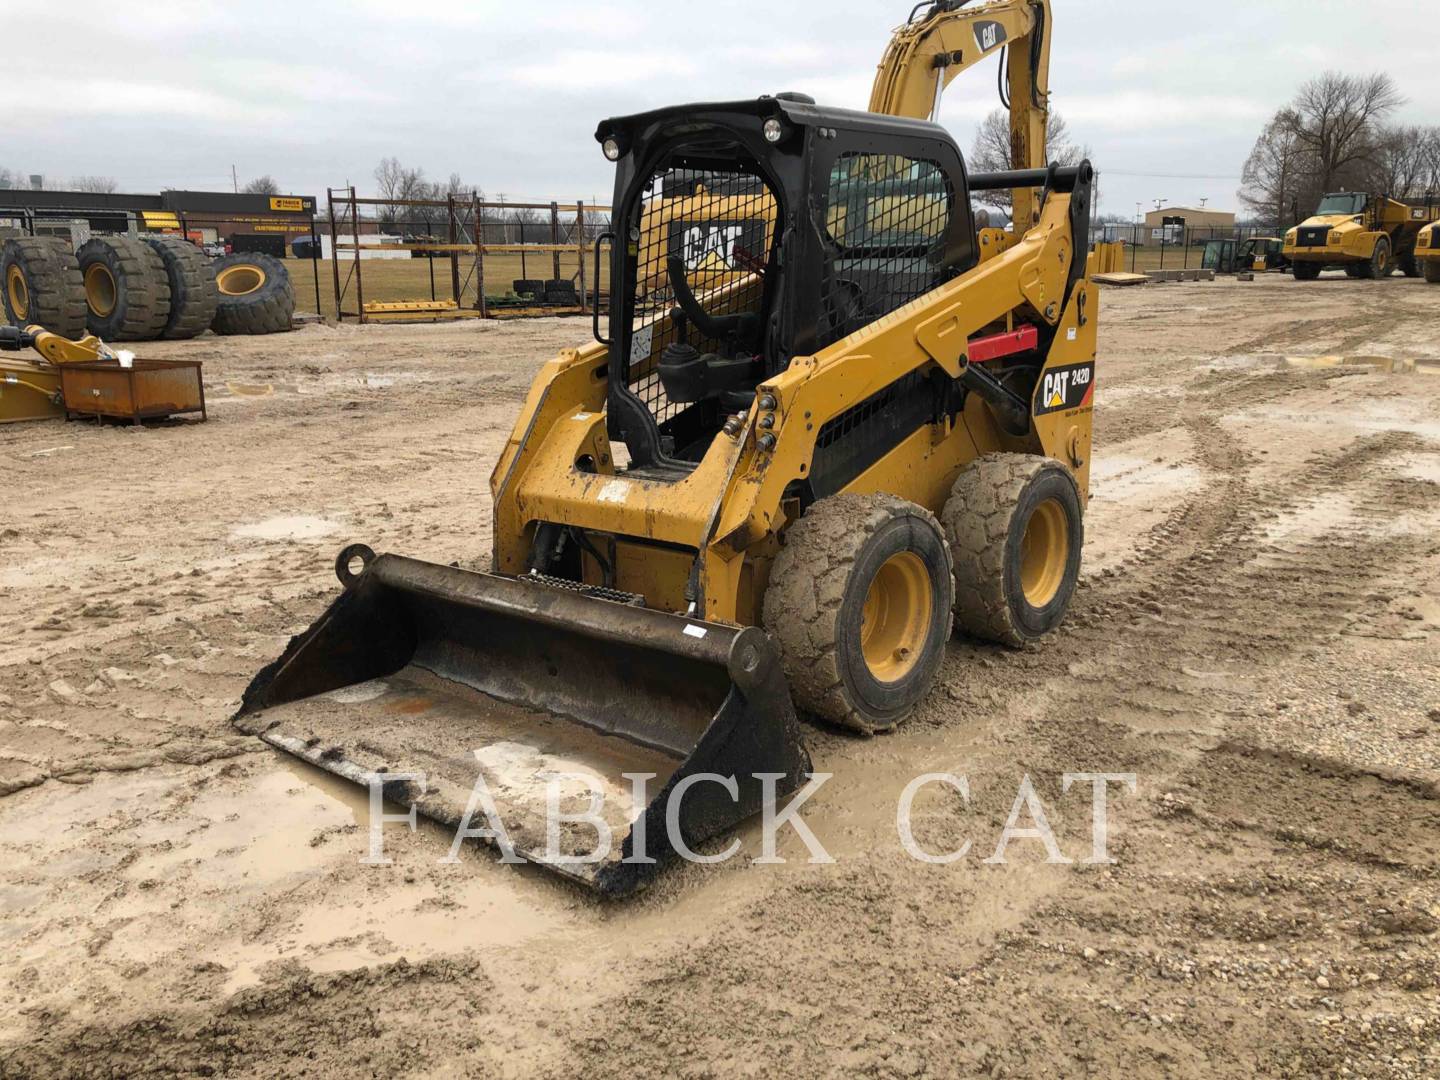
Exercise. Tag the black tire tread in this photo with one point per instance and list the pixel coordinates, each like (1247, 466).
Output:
(977, 519)
(142, 287)
(802, 604)
(267, 311)
(1432, 271)
(193, 293)
(54, 283)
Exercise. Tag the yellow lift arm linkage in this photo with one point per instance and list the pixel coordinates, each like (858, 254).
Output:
(950, 37)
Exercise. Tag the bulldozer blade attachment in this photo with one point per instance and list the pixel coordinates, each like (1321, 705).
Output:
(547, 695)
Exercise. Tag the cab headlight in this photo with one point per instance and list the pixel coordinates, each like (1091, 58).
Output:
(774, 130)
(611, 146)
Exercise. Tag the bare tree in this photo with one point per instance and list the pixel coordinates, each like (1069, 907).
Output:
(1279, 176)
(1337, 117)
(262, 185)
(1402, 162)
(394, 183)
(97, 185)
(991, 151)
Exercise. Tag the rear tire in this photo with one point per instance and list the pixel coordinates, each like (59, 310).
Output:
(127, 292)
(1432, 271)
(41, 285)
(1409, 265)
(859, 602)
(1306, 271)
(193, 295)
(1353, 270)
(256, 296)
(1016, 530)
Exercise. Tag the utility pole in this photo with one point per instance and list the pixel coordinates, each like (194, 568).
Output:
(235, 179)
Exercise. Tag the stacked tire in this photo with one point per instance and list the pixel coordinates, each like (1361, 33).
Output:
(123, 288)
(255, 295)
(194, 296)
(127, 291)
(41, 284)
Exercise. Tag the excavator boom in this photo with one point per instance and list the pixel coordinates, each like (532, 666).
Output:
(945, 38)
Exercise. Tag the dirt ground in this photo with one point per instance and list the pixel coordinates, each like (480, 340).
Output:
(1255, 639)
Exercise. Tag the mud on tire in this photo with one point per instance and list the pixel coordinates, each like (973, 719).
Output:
(256, 296)
(40, 284)
(193, 294)
(1016, 530)
(859, 602)
(127, 292)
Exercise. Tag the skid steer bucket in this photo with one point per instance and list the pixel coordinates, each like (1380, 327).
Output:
(547, 695)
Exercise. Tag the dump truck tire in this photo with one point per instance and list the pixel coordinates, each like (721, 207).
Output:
(859, 602)
(193, 294)
(41, 285)
(1432, 271)
(1016, 531)
(1380, 265)
(256, 296)
(1409, 265)
(1305, 271)
(127, 293)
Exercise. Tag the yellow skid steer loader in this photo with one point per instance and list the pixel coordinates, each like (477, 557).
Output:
(777, 481)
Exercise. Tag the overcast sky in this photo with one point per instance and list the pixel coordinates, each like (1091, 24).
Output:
(164, 93)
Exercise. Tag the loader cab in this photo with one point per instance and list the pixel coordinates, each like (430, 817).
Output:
(747, 234)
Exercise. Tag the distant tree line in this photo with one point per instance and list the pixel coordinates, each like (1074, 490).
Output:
(1336, 136)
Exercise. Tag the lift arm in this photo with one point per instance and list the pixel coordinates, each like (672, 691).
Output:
(946, 37)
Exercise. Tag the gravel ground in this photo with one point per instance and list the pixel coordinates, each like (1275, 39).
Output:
(1254, 639)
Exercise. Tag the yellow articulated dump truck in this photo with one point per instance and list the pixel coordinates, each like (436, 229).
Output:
(1427, 252)
(1368, 236)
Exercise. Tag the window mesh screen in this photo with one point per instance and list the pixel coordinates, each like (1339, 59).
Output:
(886, 222)
(722, 224)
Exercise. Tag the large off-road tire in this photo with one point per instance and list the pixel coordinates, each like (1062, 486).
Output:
(1354, 270)
(1016, 530)
(1306, 271)
(859, 602)
(193, 294)
(256, 296)
(126, 290)
(1432, 271)
(1380, 265)
(1409, 265)
(40, 284)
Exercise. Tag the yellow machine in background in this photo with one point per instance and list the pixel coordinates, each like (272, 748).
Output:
(1427, 252)
(800, 457)
(1366, 235)
(30, 389)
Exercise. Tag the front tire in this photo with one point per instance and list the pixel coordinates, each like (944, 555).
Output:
(1381, 265)
(1306, 271)
(1432, 271)
(1016, 530)
(859, 602)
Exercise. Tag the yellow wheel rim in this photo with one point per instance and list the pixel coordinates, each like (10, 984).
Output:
(1044, 553)
(100, 289)
(896, 617)
(19, 293)
(240, 280)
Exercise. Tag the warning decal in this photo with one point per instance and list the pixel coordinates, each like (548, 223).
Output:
(1065, 388)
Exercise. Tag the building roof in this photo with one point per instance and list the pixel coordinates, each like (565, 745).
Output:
(1193, 210)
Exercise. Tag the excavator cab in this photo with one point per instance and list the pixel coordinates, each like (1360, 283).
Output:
(793, 227)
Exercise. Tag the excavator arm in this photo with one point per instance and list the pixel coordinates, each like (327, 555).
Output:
(946, 37)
